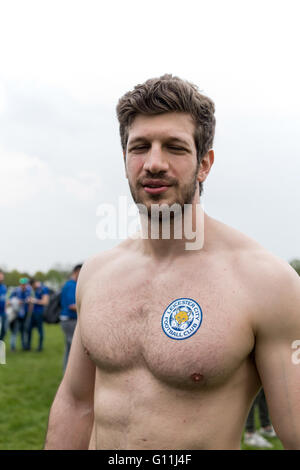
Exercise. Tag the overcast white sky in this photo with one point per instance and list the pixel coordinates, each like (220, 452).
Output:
(64, 65)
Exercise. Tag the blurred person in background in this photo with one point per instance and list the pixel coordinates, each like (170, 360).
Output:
(12, 310)
(3, 319)
(253, 437)
(68, 316)
(38, 302)
(22, 293)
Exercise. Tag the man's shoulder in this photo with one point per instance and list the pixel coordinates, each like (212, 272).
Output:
(261, 270)
(275, 287)
(45, 290)
(68, 283)
(266, 272)
(231, 240)
(112, 259)
(271, 283)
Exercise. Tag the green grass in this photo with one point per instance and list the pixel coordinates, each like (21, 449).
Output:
(28, 383)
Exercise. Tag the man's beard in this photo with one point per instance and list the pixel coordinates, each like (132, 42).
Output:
(186, 195)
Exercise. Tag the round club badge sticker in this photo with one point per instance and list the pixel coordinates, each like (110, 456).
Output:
(182, 318)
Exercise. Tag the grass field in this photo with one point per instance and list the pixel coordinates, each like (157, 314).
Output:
(28, 383)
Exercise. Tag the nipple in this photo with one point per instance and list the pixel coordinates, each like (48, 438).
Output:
(196, 377)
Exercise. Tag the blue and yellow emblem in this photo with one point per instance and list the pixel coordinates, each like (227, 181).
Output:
(182, 318)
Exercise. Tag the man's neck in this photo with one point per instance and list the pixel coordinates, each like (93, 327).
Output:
(182, 235)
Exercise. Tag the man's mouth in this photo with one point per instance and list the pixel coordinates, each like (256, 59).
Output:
(155, 187)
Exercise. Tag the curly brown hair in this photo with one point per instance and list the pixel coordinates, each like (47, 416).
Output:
(169, 94)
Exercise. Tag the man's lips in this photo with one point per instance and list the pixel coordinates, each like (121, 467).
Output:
(155, 186)
(155, 189)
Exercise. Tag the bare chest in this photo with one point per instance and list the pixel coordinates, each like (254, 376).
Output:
(182, 327)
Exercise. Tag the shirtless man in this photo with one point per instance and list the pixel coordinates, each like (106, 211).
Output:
(129, 383)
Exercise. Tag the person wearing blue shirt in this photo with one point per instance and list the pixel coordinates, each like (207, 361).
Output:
(38, 302)
(3, 318)
(23, 292)
(68, 316)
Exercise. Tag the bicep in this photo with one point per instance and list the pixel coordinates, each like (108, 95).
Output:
(280, 379)
(279, 373)
(79, 378)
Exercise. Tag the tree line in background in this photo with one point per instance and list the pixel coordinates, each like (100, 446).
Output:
(56, 276)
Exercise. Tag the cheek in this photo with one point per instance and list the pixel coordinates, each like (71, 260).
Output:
(185, 173)
(134, 166)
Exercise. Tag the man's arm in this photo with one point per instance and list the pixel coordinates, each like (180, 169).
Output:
(72, 307)
(72, 412)
(71, 421)
(278, 327)
(43, 301)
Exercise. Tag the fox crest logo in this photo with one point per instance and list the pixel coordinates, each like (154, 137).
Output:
(182, 318)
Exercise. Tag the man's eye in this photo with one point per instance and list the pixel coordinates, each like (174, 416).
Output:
(140, 147)
(178, 149)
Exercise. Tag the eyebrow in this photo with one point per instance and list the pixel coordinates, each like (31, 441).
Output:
(169, 139)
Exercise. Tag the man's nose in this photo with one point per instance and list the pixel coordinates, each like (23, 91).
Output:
(156, 161)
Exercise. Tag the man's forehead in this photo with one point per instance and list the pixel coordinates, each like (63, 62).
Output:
(167, 125)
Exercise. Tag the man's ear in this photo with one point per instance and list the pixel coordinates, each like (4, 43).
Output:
(205, 165)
